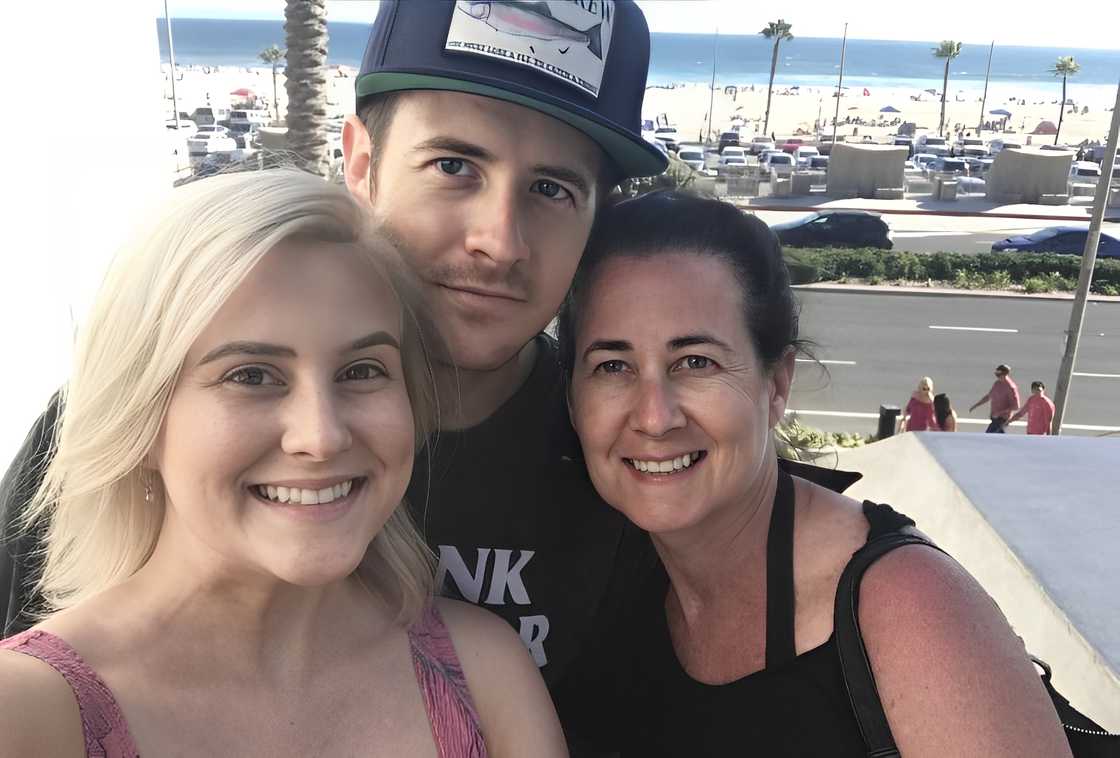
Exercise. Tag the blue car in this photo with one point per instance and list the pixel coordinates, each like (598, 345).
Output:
(1058, 239)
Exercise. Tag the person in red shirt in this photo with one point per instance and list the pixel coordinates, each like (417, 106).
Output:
(918, 416)
(1039, 410)
(1004, 396)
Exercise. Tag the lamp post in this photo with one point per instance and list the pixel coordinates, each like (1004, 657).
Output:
(171, 56)
(839, 84)
(984, 100)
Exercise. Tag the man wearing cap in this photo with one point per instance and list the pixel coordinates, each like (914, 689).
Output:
(486, 136)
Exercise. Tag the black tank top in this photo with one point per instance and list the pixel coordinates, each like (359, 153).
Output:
(796, 706)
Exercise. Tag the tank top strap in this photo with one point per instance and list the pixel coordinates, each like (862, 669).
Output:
(780, 647)
(451, 711)
(103, 724)
(882, 519)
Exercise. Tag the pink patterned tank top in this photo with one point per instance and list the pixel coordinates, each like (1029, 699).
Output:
(451, 711)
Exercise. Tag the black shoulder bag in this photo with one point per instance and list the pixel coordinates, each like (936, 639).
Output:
(1086, 738)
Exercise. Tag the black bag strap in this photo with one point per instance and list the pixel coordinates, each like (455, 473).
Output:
(860, 682)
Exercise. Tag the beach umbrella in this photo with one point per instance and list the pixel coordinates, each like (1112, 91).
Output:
(243, 92)
(1045, 127)
(999, 112)
(889, 109)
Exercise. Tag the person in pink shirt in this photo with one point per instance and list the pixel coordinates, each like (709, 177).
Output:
(918, 416)
(1039, 410)
(1004, 397)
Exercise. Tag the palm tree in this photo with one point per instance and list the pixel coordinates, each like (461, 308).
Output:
(777, 31)
(1064, 67)
(948, 49)
(272, 55)
(305, 29)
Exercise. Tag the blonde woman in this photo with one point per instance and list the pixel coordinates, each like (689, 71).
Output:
(918, 416)
(227, 570)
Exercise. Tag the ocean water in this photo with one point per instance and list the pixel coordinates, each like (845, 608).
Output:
(740, 59)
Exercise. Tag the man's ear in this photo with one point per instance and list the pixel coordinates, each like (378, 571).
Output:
(781, 381)
(357, 158)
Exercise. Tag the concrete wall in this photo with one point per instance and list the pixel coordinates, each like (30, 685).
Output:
(859, 170)
(86, 154)
(1025, 175)
(1036, 521)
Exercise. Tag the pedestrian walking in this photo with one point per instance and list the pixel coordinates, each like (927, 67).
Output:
(1004, 399)
(1039, 410)
(943, 413)
(918, 416)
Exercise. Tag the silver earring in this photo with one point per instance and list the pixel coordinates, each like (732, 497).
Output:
(147, 490)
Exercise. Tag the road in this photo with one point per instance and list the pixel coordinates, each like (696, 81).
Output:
(875, 347)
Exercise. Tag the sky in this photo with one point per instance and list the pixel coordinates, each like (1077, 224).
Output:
(1092, 24)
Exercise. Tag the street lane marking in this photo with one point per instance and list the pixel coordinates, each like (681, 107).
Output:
(978, 421)
(1097, 376)
(917, 234)
(974, 329)
(825, 362)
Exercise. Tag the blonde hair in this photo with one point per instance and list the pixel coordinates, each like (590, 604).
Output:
(159, 294)
(925, 385)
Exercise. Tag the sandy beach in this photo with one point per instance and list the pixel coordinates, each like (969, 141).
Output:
(794, 110)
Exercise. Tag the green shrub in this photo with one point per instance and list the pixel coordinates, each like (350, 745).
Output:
(1107, 289)
(1033, 285)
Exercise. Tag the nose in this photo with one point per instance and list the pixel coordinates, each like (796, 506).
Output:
(495, 231)
(315, 428)
(656, 410)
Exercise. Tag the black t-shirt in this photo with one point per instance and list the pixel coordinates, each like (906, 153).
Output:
(518, 527)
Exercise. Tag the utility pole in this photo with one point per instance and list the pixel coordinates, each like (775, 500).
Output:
(984, 100)
(839, 84)
(171, 55)
(712, 94)
(1088, 260)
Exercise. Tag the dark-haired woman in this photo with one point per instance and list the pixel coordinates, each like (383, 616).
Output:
(944, 414)
(680, 335)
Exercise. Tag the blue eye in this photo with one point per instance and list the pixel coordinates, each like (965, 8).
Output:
(551, 190)
(451, 166)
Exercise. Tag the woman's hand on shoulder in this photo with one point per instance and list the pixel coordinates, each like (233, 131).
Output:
(38, 712)
(513, 705)
(953, 677)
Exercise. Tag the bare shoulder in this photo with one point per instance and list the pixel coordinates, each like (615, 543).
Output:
(513, 705)
(38, 712)
(950, 671)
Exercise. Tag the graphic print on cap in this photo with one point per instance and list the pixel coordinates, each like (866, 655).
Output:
(568, 39)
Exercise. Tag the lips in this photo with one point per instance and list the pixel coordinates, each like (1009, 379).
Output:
(325, 494)
(666, 466)
(483, 292)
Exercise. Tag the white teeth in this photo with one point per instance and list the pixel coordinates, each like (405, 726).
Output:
(666, 467)
(300, 496)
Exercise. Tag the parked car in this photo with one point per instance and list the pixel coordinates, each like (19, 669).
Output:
(668, 135)
(902, 139)
(818, 163)
(728, 139)
(803, 153)
(212, 129)
(922, 160)
(246, 136)
(976, 144)
(1084, 172)
(912, 169)
(1057, 148)
(206, 115)
(692, 155)
(204, 143)
(1058, 239)
(825, 143)
(947, 167)
(836, 228)
(759, 145)
(1001, 144)
(776, 160)
(932, 144)
(732, 162)
(790, 145)
(243, 119)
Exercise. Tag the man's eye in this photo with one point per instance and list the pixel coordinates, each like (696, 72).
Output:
(252, 376)
(362, 372)
(696, 362)
(551, 190)
(451, 166)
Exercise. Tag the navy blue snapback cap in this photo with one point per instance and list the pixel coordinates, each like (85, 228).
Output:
(583, 62)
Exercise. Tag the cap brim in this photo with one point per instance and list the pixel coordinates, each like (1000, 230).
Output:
(632, 154)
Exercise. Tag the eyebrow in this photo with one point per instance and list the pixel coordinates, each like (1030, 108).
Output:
(265, 348)
(676, 343)
(577, 179)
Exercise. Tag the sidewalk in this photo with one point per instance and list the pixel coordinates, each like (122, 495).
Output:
(887, 289)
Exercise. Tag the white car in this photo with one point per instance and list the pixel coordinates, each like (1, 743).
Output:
(212, 129)
(692, 156)
(964, 143)
(732, 161)
(668, 136)
(932, 144)
(804, 153)
(759, 145)
(733, 152)
(1084, 172)
(205, 143)
(777, 161)
(922, 160)
(1001, 144)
